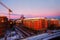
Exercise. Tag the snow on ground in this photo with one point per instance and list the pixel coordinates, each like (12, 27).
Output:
(11, 35)
(45, 36)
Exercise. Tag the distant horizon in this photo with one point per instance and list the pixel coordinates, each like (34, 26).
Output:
(16, 16)
(31, 8)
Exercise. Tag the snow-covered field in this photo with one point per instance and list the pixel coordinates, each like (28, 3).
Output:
(45, 36)
(12, 35)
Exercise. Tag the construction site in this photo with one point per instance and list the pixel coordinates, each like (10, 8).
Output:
(36, 28)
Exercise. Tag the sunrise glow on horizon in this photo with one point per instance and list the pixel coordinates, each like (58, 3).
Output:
(31, 8)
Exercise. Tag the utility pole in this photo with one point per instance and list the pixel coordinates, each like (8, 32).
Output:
(22, 18)
(9, 12)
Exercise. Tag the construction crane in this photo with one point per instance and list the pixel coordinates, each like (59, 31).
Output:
(9, 10)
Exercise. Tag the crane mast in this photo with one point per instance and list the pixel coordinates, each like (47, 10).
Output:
(9, 10)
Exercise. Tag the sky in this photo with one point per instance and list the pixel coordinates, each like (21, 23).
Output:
(31, 8)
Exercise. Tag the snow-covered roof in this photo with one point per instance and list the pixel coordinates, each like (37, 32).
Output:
(34, 18)
(2, 16)
(53, 19)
